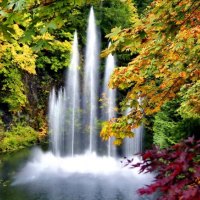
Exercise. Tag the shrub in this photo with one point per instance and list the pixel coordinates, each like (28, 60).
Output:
(177, 170)
(17, 138)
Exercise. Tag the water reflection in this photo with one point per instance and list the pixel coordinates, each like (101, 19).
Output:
(82, 187)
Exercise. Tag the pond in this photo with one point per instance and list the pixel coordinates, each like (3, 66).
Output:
(32, 174)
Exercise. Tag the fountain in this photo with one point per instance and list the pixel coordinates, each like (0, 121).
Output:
(66, 108)
(133, 145)
(73, 102)
(56, 121)
(90, 90)
(67, 131)
(109, 98)
(73, 170)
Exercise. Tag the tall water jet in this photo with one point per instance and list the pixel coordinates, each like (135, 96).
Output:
(73, 100)
(109, 99)
(90, 91)
(134, 145)
(57, 121)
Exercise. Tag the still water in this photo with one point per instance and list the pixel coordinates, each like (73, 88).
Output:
(22, 178)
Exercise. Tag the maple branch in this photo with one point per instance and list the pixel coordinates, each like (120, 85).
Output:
(192, 12)
(175, 82)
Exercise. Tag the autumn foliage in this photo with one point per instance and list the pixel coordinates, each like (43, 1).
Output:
(165, 45)
(177, 170)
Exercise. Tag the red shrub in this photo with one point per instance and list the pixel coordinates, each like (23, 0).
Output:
(177, 170)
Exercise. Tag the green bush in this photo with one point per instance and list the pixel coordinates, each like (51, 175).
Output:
(170, 127)
(17, 138)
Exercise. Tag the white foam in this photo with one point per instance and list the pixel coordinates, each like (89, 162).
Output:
(89, 163)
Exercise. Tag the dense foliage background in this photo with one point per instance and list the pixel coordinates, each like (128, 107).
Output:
(158, 51)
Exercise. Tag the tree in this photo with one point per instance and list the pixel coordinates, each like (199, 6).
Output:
(168, 46)
(190, 105)
(16, 58)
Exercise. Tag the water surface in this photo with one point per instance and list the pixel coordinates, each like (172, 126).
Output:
(36, 175)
